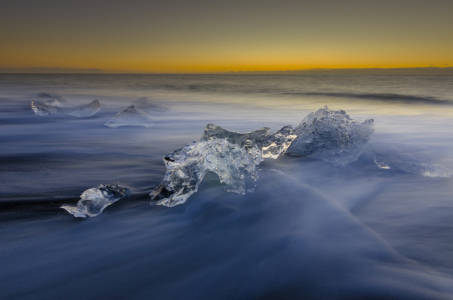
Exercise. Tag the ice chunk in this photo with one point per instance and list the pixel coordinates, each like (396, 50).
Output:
(236, 167)
(276, 144)
(272, 145)
(390, 162)
(331, 136)
(43, 109)
(93, 201)
(213, 131)
(234, 156)
(85, 111)
(130, 116)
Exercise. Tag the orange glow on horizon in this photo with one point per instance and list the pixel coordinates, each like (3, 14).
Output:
(235, 60)
(175, 37)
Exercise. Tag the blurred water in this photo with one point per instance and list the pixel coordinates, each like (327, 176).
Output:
(314, 232)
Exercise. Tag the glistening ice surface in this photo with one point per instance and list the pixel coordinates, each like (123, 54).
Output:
(236, 167)
(331, 136)
(93, 201)
(60, 106)
(310, 229)
(233, 156)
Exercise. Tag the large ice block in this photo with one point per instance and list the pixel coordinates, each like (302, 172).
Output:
(236, 167)
(331, 136)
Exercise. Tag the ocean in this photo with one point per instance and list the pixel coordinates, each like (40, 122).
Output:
(310, 230)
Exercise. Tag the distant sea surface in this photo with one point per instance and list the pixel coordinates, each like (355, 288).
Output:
(309, 231)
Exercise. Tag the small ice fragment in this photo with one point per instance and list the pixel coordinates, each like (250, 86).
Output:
(236, 167)
(213, 131)
(331, 136)
(43, 109)
(93, 201)
(389, 162)
(85, 111)
(130, 116)
(276, 144)
(51, 108)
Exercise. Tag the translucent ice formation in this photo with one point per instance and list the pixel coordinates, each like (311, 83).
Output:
(331, 136)
(130, 116)
(390, 162)
(213, 131)
(41, 109)
(236, 167)
(276, 144)
(55, 106)
(85, 111)
(93, 201)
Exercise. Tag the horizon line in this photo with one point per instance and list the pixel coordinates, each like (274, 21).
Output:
(45, 70)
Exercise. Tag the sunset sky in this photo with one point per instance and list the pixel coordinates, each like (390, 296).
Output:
(210, 36)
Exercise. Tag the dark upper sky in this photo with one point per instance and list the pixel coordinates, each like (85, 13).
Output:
(200, 36)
